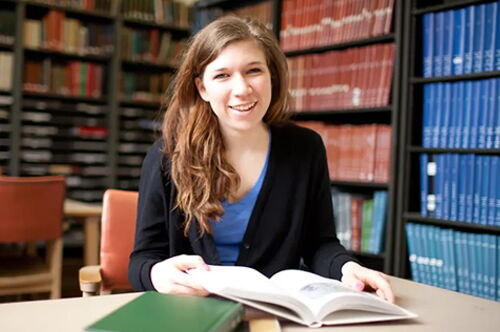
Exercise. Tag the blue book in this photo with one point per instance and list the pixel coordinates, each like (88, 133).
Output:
(451, 259)
(476, 112)
(485, 186)
(492, 266)
(469, 38)
(497, 40)
(459, 114)
(379, 221)
(498, 266)
(447, 41)
(438, 43)
(478, 177)
(467, 114)
(431, 185)
(445, 116)
(439, 185)
(497, 203)
(437, 114)
(494, 189)
(426, 120)
(459, 261)
(478, 44)
(452, 117)
(481, 265)
(469, 189)
(412, 252)
(492, 113)
(490, 36)
(453, 166)
(458, 41)
(446, 191)
(436, 247)
(473, 263)
(428, 249)
(445, 256)
(423, 184)
(462, 188)
(486, 268)
(496, 139)
(466, 262)
(422, 258)
(428, 44)
(484, 113)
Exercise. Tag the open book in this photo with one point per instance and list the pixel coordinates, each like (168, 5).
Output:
(299, 296)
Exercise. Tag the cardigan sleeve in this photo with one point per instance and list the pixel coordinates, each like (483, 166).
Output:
(151, 236)
(324, 253)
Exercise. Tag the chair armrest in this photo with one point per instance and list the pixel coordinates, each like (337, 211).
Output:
(90, 280)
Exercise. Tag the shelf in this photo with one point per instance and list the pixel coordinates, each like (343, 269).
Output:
(5, 92)
(140, 103)
(6, 47)
(160, 66)
(341, 46)
(412, 216)
(72, 10)
(63, 97)
(385, 109)
(419, 149)
(446, 6)
(153, 24)
(85, 57)
(210, 3)
(473, 76)
(342, 183)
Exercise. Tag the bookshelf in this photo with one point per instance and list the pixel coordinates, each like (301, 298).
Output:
(382, 112)
(448, 155)
(83, 100)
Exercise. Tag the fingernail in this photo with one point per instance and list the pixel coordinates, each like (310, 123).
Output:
(359, 285)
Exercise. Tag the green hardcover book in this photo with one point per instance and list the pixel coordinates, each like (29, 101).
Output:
(164, 312)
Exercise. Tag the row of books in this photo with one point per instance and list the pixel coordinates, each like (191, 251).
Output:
(63, 145)
(47, 156)
(312, 23)
(461, 41)
(150, 45)
(170, 12)
(460, 187)
(74, 78)
(352, 78)
(64, 169)
(262, 11)
(103, 6)
(461, 114)
(356, 152)
(57, 32)
(459, 261)
(65, 107)
(360, 220)
(148, 87)
(83, 132)
(62, 119)
(7, 26)
(6, 65)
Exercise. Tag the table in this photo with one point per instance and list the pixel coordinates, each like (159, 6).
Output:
(90, 214)
(438, 310)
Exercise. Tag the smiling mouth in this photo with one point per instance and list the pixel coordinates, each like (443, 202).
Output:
(243, 108)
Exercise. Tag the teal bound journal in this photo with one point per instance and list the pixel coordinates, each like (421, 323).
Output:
(163, 312)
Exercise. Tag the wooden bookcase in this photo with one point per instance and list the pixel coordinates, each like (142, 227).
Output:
(389, 114)
(412, 146)
(98, 140)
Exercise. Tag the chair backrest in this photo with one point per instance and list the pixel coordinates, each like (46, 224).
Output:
(31, 208)
(119, 212)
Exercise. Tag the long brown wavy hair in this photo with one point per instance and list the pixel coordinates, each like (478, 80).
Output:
(193, 141)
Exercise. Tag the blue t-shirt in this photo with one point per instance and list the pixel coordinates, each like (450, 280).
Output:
(229, 231)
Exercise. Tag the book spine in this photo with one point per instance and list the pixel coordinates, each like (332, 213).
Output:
(478, 43)
(428, 44)
(458, 41)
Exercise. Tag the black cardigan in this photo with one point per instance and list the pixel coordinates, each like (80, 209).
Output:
(292, 217)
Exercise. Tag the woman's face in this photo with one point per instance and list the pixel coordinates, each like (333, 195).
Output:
(237, 84)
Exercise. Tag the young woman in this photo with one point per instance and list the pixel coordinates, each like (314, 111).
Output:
(231, 181)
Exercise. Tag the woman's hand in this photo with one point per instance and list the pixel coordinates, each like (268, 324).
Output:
(169, 276)
(362, 278)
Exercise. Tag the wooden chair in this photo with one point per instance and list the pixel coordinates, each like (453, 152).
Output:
(31, 210)
(119, 211)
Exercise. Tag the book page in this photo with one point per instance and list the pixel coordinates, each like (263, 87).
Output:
(324, 296)
(238, 282)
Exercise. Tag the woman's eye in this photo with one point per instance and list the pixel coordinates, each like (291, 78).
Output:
(220, 76)
(255, 70)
